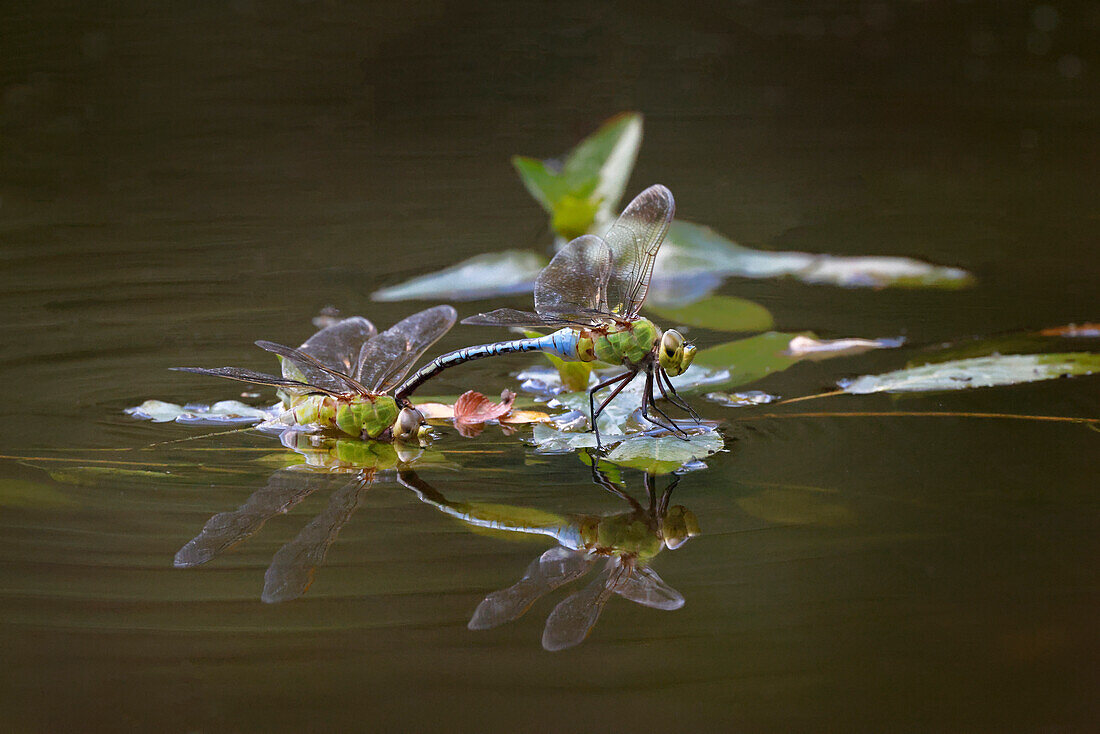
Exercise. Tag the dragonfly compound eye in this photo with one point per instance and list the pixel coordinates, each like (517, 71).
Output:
(408, 424)
(671, 355)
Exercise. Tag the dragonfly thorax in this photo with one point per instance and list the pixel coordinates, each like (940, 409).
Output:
(629, 343)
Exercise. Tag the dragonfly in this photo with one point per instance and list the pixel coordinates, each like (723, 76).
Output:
(626, 542)
(593, 291)
(339, 379)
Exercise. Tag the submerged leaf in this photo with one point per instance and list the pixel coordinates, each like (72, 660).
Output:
(797, 506)
(722, 313)
(31, 495)
(998, 370)
(481, 276)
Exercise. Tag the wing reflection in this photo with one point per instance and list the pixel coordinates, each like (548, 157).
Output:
(626, 542)
(349, 465)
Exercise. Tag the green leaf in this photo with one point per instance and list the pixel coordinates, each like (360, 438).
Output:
(591, 182)
(722, 313)
(664, 454)
(994, 371)
(750, 359)
(607, 157)
(482, 276)
(691, 248)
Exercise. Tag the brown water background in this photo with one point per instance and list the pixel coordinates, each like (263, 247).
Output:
(179, 179)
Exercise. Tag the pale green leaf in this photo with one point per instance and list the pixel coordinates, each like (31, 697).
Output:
(694, 248)
(663, 454)
(482, 276)
(722, 313)
(994, 371)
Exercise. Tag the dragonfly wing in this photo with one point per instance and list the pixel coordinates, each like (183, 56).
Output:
(556, 567)
(574, 618)
(292, 567)
(385, 359)
(315, 372)
(634, 239)
(337, 346)
(258, 378)
(507, 317)
(645, 587)
(284, 489)
(574, 284)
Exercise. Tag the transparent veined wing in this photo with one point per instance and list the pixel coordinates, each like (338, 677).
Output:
(519, 319)
(634, 239)
(645, 587)
(385, 359)
(338, 346)
(259, 378)
(554, 568)
(574, 284)
(314, 371)
(574, 618)
(284, 490)
(292, 568)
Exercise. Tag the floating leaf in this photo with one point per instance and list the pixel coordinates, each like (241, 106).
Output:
(549, 440)
(225, 411)
(473, 407)
(694, 248)
(1008, 369)
(751, 359)
(665, 453)
(722, 313)
(806, 347)
(1073, 331)
(740, 399)
(588, 185)
(482, 276)
(519, 417)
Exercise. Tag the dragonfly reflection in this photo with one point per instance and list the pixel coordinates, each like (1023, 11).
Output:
(625, 542)
(351, 465)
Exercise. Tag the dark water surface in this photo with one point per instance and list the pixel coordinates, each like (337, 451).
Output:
(178, 180)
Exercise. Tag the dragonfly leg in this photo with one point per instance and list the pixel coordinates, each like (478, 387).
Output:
(674, 397)
(648, 402)
(625, 378)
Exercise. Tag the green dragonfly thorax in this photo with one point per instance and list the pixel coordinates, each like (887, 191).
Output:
(627, 344)
(361, 416)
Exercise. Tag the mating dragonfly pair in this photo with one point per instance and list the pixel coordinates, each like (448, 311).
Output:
(593, 291)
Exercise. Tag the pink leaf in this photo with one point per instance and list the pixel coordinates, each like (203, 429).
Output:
(473, 407)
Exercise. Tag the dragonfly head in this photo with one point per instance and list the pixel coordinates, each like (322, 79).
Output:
(408, 425)
(675, 355)
(678, 526)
